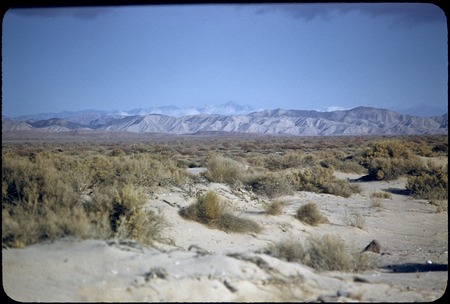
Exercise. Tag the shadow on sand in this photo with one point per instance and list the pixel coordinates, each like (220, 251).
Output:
(415, 267)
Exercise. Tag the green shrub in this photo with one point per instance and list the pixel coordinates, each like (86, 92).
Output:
(311, 215)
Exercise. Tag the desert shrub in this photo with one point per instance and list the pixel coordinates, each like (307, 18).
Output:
(321, 180)
(311, 215)
(274, 208)
(441, 148)
(128, 219)
(289, 250)
(429, 184)
(271, 185)
(389, 169)
(390, 159)
(54, 192)
(22, 226)
(289, 160)
(381, 194)
(231, 223)
(326, 253)
(223, 170)
(441, 205)
(376, 202)
(211, 211)
(342, 163)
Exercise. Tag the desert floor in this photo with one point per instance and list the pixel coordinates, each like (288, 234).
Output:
(196, 263)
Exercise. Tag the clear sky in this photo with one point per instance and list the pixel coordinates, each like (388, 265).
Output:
(292, 56)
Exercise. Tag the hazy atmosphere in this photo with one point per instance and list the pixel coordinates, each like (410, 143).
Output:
(292, 56)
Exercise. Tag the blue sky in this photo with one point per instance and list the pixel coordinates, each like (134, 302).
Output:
(293, 56)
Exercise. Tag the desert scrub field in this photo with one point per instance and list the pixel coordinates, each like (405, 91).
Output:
(95, 185)
(48, 194)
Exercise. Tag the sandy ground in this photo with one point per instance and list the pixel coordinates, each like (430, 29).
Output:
(203, 264)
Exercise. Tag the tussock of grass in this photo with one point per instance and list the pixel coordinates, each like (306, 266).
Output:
(381, 194)
(311, 215)
(326, 253)
(355, 219)
(209, 210)
(274, 208)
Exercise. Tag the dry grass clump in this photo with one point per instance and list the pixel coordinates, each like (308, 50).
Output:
(441, 205)
(355, 219)
(311, 215)
(376, 198)
(381, 194)
(326, 253)
(209, 210)
(273, 208)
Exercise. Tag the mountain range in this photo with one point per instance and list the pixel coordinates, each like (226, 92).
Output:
(241, 119)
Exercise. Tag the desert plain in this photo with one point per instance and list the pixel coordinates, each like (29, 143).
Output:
(194, 262)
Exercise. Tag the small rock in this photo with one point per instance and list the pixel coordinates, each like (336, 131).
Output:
(373, 246)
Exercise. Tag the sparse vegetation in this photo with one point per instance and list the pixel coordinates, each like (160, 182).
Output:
(355, 219)
(311, 215)
(326, 253)
(209, 210)
(62, 184)
(321, 180)
(274, 207)
(381, 194)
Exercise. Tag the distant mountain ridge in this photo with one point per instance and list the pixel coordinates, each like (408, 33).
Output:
(357, 121)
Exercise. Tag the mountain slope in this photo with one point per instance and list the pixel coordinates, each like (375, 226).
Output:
(357, 121)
